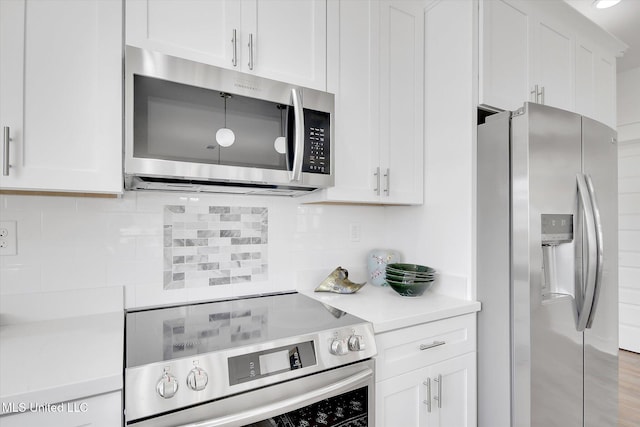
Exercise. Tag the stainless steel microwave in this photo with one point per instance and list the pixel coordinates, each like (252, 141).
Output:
(195, 127)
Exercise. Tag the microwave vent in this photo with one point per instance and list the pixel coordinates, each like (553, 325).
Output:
(137, 183)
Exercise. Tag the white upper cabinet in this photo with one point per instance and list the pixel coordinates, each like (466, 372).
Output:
(401, 102)
(595, 78)
(353, 76)
(278, 39)
(375, 68)
(604, 68)
(198, 30)
(553, 65)
(506, 40)
(61, 95)
(548, 53)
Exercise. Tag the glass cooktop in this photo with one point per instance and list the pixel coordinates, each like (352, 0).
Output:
(162, 334)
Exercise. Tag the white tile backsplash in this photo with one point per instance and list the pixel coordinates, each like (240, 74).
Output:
(69, 243)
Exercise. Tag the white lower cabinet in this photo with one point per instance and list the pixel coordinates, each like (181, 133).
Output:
(426, 375)
(104, 410)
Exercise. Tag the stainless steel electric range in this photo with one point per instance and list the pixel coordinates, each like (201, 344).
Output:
(275, 360)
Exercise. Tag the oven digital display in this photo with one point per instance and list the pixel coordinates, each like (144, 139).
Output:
(249, 367)
(279, 361)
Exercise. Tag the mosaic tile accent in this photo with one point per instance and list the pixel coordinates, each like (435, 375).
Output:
(214, 245)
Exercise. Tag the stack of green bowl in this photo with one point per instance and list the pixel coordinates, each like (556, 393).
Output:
(409, 280)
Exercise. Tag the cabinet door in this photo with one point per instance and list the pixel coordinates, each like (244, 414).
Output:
(595, 83)
(353, 77)
(401, 101)
(376, 71)
(554, 64)
(585, 55)
(201, 31)
(288, 40)
(605, 90)
(453, 392)
(400, 401)
(62, 94)
(506, 34)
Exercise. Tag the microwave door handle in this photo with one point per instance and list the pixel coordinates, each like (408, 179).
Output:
(295, 174)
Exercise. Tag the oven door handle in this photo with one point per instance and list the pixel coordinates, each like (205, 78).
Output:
(284, 406)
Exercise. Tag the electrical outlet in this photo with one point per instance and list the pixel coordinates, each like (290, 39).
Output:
(354, 232)
(8, 238)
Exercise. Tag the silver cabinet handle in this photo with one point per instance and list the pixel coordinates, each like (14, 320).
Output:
(427, 401)
(537, 94)
(387, 190)
(251, 51)
(257, 413)
(295, 174)
(433, 344)
(438, 397)
(592, 255)
(234, 42)
(377, 175)
(5, 151)
(534, 94)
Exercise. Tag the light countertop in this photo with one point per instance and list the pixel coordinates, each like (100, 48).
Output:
(387, 310)
(59, 359)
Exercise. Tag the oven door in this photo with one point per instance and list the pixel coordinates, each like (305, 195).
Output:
(339, 397)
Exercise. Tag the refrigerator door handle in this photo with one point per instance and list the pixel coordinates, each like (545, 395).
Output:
(584, 312)
(600, 249)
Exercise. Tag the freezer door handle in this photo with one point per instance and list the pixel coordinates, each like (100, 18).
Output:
(599, 247)
(593, 251)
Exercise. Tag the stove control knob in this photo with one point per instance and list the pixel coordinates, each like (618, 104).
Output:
(197, 379)
(339, 347)
(167, 385)
(356, 343)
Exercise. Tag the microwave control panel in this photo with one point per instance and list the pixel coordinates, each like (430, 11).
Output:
(317, 142)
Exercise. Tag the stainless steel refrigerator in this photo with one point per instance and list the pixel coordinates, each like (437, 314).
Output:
(547, 270)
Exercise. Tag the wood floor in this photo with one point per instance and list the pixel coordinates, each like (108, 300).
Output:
(629, 389)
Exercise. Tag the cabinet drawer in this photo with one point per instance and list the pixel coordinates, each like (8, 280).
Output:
(417, 346)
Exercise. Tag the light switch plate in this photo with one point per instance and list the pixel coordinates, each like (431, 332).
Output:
(8, 238)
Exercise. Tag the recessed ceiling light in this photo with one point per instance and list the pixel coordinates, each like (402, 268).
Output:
(603, 4)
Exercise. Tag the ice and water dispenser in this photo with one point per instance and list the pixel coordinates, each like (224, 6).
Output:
(558, 255)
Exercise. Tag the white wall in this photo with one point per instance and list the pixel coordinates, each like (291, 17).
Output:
(76, 242)
(629, 207)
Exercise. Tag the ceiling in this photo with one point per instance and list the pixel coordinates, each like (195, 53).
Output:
(621, 20)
